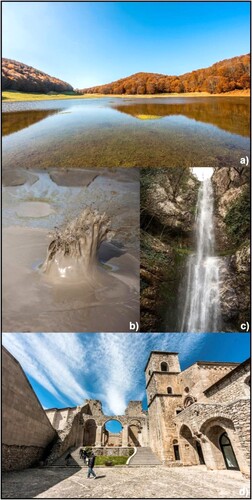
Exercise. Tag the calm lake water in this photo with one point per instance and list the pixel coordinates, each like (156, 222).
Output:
(110, 132)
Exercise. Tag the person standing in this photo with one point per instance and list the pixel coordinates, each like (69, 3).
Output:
(91, 462)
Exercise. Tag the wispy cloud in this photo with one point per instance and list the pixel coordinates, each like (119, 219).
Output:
(53, 360)
(104, 366)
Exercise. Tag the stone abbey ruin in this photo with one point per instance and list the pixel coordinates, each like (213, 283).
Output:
(200, 415)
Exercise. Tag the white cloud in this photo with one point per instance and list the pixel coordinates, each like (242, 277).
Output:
(104, 366)
(52, 359)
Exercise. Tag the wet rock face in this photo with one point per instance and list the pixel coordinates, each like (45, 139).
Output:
(235, 288)
(168, 201)
(231, 186)
(171, 198)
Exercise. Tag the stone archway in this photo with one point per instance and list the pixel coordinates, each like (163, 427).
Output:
(189, 450)
(89, 433)
(221, 447)
(112, 433)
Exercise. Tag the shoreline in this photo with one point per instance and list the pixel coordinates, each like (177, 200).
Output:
(28, 97)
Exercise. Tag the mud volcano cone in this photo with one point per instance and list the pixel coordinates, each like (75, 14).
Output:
(72, 253)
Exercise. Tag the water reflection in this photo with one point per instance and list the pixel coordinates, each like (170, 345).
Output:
(127, 132)
(228, 114)
(13, 122)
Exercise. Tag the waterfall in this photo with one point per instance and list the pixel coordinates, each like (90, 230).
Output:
(202, 304)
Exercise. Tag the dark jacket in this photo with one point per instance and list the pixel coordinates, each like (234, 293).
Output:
(91, 461)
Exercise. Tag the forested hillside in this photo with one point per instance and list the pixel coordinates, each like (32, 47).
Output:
(19, 76)
(223, 76)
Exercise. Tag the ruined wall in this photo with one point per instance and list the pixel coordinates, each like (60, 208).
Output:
(59, 417)
(26, 430)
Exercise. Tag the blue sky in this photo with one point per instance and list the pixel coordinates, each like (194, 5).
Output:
(95, 43)
(66, 368)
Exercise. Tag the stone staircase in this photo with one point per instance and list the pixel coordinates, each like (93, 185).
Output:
(74, 461)
(144, 456)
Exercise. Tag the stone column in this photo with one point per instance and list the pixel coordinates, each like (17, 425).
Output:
(98, 435)
(125, 436)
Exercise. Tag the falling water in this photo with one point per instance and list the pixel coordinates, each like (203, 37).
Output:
(202, 308)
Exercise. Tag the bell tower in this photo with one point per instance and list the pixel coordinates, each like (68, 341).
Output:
(164, 397)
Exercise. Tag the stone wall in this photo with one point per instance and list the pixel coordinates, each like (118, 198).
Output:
(26, 430)
(162, 428)
(232, 387)
(59, 417)
(113, 451)
(195, 379)
(206, 423)
(85, 426)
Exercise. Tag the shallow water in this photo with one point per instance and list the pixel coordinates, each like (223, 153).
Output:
(110, 132)
(109, 299)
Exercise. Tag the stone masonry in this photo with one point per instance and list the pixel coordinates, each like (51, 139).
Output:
(26, 430)
(195, 417)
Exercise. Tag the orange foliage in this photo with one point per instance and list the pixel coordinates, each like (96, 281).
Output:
(19, 76)
(223, 76)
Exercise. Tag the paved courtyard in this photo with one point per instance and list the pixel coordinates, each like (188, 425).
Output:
(125, 482)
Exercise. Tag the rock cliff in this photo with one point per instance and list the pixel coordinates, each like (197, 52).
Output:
(168, 203)
(232, 228)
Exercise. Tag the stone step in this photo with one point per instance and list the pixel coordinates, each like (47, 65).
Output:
(144, 456)
(74, 461)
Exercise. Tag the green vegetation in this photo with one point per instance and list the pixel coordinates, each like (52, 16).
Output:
(107, 460)
(237, 219)
(13, 96)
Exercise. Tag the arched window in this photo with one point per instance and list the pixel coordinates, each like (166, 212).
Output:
(186, 389)
(164, 366)
(169, 390)
(228, 452)
(188, 401)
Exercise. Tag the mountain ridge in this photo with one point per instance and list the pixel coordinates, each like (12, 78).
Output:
(21, 77)
(223, 76)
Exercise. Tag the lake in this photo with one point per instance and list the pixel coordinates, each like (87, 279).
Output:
(111, 132)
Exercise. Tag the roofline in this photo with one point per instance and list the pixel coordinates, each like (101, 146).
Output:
(60, 409)
(212, 363)
(158, 352)
(229, 374)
